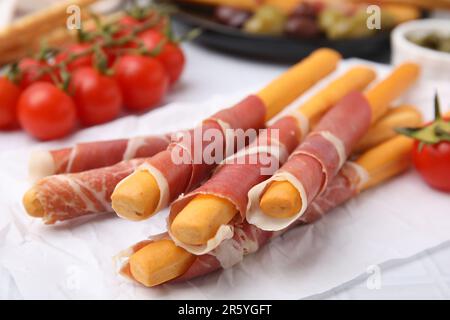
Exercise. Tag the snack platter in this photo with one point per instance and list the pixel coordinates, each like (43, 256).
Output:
(287, 31)
(73, 258)
(233, 40)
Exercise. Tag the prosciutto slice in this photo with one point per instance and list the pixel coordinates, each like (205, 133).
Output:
(67, 196)
(239, 173)
(92, 155)
(248, 238)
(191, 167)
(317, 160)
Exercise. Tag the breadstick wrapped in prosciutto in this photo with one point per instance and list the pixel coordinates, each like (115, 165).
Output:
(161, 179)
(159, 260)
(229, 187)
(278, 202)
(250, 113)
(92, 155)
(202, 219)
(52, 198)
(67, 196)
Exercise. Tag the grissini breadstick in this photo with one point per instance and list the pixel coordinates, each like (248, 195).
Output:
(63, 197)
(66, 196)
(160, 180)
(157, 261)
(279, 201)
(93, 155)
(193, 223)
(31, 26)
(397, 117)
(57, 37)
(380, 96)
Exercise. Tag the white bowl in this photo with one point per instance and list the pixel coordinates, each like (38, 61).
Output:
(434, 64)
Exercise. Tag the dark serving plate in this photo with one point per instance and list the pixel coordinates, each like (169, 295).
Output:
(280, 48)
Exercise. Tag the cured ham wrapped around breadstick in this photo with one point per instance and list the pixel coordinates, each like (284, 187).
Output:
(200, 220)
(230, 184)
(249, 113)
(92, 155)
(280, 201)
(162, 179)
(67, 196)
(50, 207)
(159, 260)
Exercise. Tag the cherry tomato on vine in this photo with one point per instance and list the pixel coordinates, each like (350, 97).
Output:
(9, 95)
(129, 22)
(142, 80)
(171, 55)
(126, 25)
(83, 61)
(431, 152)
(46, 112)
(98, 97)
(31, 71)
(433, 164)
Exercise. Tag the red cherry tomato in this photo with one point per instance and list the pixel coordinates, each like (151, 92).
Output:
(433, 164)
(97, 97)
(126, 25)
(151, 38)
(46, 112)
(142, 80)
(171, 55)
(84, 61)
(9, 95)
(128, 22)
(31, 72)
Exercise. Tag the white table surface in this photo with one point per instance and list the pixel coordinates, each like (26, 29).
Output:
(209, 73)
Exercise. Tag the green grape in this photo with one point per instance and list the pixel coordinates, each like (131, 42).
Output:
(387, 20)
(266, 20)
(444, 45)
(359, 26)
(328, 18)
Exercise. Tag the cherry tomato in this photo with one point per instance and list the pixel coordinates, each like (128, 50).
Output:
(97, 97)
(433, 164)
(31, 72)
(126, 24)
(129, 22)
(173, 59)
(46, 112)
(142, 80)
(84, 61)
(9, 95)
(171, 55)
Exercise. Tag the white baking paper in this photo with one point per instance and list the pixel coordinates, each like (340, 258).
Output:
(74, 259)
